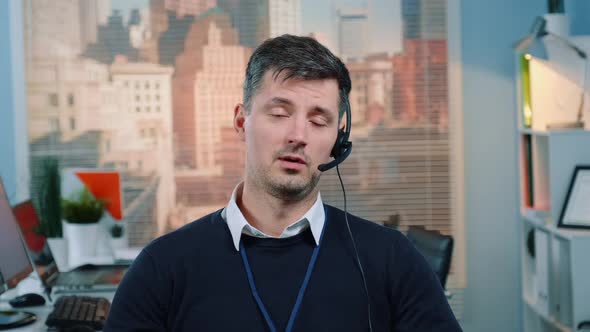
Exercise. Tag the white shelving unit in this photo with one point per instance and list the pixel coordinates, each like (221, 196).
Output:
(555, 261)
(556, 286)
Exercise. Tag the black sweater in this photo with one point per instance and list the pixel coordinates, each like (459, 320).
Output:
(193, 279)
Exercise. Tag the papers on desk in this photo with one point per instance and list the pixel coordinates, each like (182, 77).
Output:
(127, 254)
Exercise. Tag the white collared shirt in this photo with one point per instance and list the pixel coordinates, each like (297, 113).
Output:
(238, 225)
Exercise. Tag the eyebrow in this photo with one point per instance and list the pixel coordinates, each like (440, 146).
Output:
(280, 101)
(287, 102)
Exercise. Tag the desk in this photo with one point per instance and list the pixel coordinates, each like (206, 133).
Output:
(44, 311)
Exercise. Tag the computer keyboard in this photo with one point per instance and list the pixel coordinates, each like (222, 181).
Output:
(71, 310)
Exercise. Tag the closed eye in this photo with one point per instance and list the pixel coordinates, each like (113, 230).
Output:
(319, 120)
(278, 112)
(318, 123)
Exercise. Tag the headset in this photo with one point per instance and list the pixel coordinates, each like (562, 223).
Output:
(342, 147)
(340, 151)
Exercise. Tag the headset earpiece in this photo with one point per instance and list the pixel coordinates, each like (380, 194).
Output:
(337, 148)
(342, 147)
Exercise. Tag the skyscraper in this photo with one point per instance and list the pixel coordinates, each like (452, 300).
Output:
(92, 14)
(140, 132)
(284, 16)
(353, 33)
(206, 85)
(139, 27)
(171, 42)
(112, 40)
(420, 82)
(258, 20)
(55, 29)
(218, 87)
(64, 96)
(244, 18)
(372, 85)
(169, 21)
(189, 7)
(420, 72)
(424, 19)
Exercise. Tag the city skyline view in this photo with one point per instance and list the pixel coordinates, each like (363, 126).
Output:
(319, 16)
(148, 87)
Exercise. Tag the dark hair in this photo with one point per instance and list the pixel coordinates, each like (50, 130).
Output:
(298, 57)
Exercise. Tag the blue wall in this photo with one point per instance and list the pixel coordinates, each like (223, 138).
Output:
(578, 12)
(14, 157)
(488, 31)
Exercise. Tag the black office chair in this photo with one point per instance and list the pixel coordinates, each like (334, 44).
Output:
(435, 247)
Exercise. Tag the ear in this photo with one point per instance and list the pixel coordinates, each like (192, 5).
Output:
(240, 121)
(342, 123)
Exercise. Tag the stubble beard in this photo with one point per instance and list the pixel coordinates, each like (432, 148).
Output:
(287, 187)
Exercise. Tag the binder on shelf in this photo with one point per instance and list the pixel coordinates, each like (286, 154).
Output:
(541, 176)
(561, 287)
(542, 271)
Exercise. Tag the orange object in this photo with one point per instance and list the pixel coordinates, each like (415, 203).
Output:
(105, 186)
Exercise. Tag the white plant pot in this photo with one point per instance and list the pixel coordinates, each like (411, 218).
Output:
(118, 243)
(82, 240)
(59, 251)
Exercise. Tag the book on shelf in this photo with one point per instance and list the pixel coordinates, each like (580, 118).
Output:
(527, 158)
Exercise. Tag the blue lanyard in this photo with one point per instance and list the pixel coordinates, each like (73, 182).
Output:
(295, 309)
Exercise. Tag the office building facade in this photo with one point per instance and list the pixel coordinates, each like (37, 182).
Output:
(353, 33)
(258, 20)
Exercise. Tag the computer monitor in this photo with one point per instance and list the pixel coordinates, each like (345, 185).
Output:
(28, 222)
(15, 264)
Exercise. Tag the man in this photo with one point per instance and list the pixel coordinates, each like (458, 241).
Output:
(276, 258)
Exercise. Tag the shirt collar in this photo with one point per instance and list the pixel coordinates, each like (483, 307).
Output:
(238, 225)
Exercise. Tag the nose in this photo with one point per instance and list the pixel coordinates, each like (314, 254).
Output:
(297, 132)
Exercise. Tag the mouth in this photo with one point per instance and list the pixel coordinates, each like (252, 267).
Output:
(293, 159)
(292, 162)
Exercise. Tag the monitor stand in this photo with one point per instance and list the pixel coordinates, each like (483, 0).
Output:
(10, 319)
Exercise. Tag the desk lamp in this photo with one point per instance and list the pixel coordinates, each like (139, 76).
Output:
(533, 46)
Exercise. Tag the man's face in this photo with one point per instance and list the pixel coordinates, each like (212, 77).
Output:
(289, 131)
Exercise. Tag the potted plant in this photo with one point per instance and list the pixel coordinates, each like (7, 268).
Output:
(118, 239)
(46, 193)
(81, 214)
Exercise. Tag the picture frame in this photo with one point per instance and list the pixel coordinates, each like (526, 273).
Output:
(575, 212)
